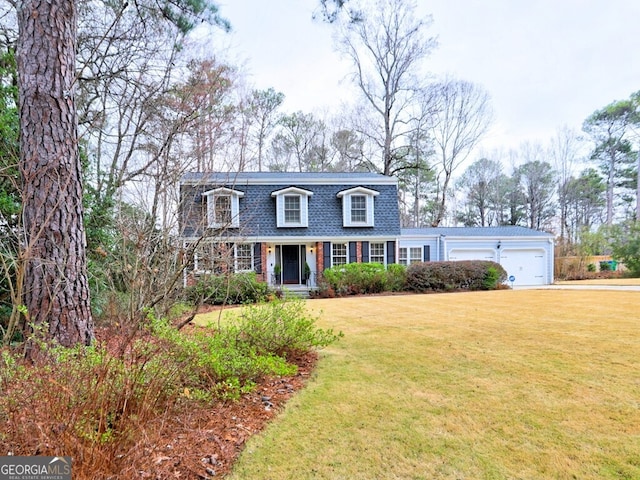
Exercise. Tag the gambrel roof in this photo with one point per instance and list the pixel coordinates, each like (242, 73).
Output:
(257, 209)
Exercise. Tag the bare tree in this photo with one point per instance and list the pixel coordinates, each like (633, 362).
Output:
(386, 45)
(537, 180)
(564, 151)
(56, 288)
(263, 106)
(482, 186)
(462, 117)
(205, 99)
(298, 144)
(347, 146)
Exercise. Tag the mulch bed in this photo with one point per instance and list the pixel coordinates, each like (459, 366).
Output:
(205, 442)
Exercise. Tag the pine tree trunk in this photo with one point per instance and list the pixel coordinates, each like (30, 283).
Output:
(56, 286)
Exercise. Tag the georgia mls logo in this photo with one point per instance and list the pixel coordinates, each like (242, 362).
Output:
(35, 468)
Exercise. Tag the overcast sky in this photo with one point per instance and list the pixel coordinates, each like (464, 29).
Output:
(545, 63)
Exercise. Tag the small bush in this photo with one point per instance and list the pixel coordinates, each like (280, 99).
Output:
(591, 267)
(233, 289)
(605, 266)
(450, 276)
(214, 361)
(280, 328)
(83, 401)
(491, 278)
(396, 277)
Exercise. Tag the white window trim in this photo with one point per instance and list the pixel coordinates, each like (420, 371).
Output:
(235, 207)
(346, 196)
(407, 259)
(384, 252)
(211, 246)
(236, 257)
(345, 256)
(304, 207)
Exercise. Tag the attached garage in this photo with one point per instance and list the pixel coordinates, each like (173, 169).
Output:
(527, 266)
(526, 255)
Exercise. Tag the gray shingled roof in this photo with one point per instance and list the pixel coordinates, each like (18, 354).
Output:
(258, 208)
(505, 231)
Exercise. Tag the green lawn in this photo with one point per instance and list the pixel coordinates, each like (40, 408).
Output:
(527, 384)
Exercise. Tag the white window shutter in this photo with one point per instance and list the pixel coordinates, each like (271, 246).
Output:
(346, 210)
(235, 211)
(211, 209)
(280, 211)
(304, 210)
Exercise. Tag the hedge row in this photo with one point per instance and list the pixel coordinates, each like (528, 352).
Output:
(366, 278)
(449, 276)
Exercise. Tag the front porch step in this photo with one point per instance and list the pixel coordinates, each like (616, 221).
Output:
(297, 291)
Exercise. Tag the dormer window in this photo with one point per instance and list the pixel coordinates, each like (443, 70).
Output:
(223, 207)
(292, 207)
(357, 207)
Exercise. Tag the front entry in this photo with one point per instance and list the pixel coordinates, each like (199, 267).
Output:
(290, 264)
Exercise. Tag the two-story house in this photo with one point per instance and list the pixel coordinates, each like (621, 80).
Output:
(288, 227)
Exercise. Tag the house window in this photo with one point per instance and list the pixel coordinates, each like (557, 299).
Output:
(376, 253)
(292, 209)
(244, 257)
(212, 258)
(407, 256)
(222, 210)
(338, 254)
(220, 258)
(223, 207)
(358, 209)
(358, 206)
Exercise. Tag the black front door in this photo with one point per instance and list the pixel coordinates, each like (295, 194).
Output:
(290, 264)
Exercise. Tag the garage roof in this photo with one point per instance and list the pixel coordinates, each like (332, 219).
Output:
(506, 231)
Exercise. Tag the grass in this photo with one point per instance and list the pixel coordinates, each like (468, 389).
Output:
(529, 384)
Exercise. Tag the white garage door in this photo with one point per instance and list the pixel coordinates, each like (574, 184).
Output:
(528, 266)
(472, 254)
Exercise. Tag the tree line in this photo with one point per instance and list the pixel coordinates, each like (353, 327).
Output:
(147, 101)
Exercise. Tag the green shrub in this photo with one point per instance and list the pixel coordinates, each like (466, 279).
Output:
(591, 267)
(449, 276)
(217, 361)
(396, 277)
(492, 278)
(625, 246)
(233, 289)
(357, 278)
(280, 328)
(605, 266)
